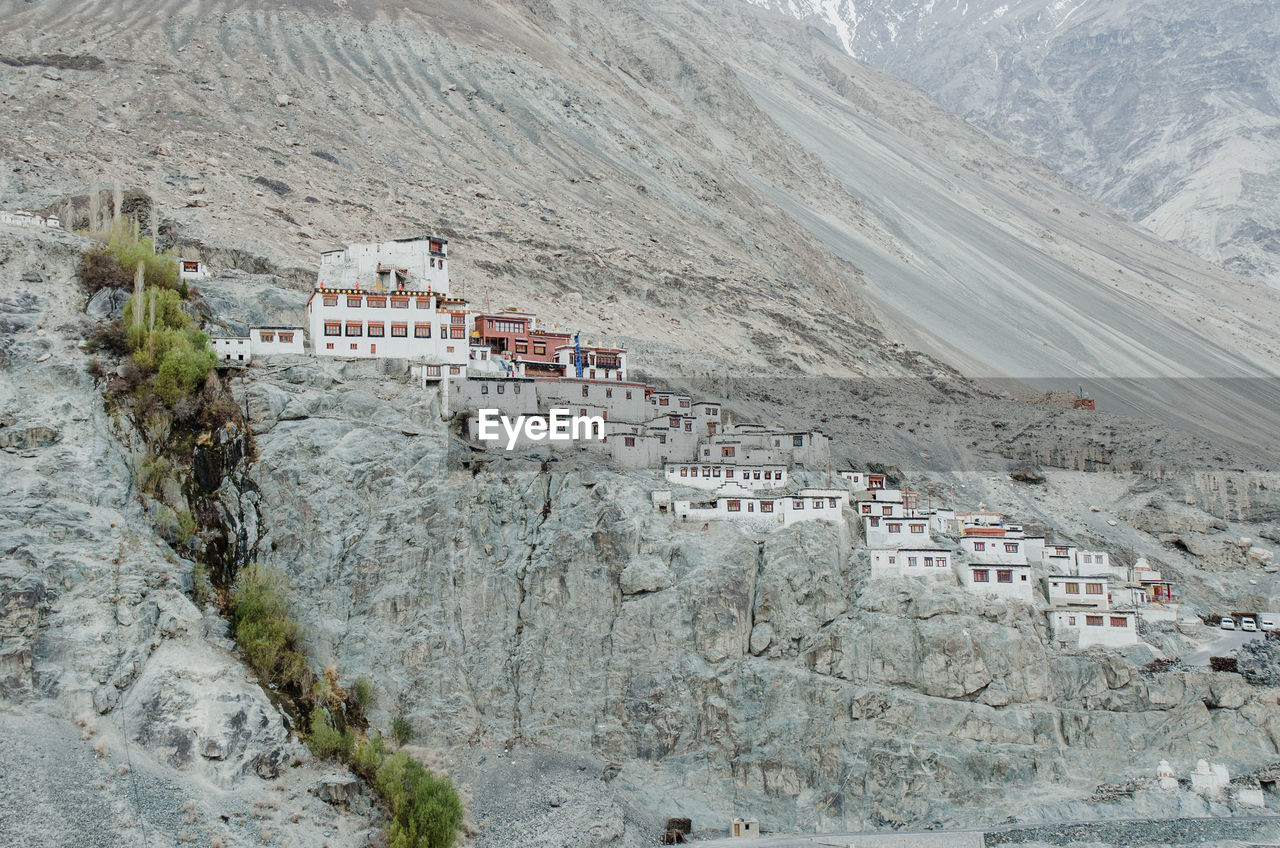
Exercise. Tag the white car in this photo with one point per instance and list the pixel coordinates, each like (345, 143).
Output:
(1248, 624)
(1227, 623)
(1267, 622)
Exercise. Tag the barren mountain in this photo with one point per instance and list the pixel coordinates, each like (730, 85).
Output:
(755, 215)
(1165, 111)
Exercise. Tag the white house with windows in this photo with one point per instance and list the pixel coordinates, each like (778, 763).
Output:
(895, 531)
(232, 350)
(912, 562)
(995, 549)
(192, 269)
(1003, 579)
(862, 481)
(409, 264)
(416, 325)
(268, 341)
(598, 363)
(1074, 591)
(1060, 559)
(715, 476)
(780, 510)
(1087, 628)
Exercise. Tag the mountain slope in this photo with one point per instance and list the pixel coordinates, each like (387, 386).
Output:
(1165, 111)
(638, 170)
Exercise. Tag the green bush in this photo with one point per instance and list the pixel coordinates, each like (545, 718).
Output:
(167, 345)
(264, 628)
(362, 694)
(129, 248)
(325, 741)
(401, 729)
(426, 811)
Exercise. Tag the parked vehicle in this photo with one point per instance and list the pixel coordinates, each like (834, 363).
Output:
(1247, 623)
(1267, 622)
(1227, 623)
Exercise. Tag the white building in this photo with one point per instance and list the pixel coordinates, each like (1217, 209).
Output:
(741, 828)
(1060, 559)
(598, 363)
(1005, 580)
(895, 532)
(781, 510)
(912, 562)
(1072, 591)
(404, 324)
(268, 341)
(408, 264)
(1088, 628)
(192, 269)
(235, 350)
(862, 481)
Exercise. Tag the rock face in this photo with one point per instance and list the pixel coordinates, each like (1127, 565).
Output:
(119, 712)
(510, 603)
(1162, 110)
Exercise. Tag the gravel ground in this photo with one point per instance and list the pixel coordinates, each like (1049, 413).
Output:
(1219, 831)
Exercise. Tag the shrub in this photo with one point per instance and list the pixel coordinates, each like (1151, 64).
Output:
(325, 741)
(100, 269)
(401, 729)
(264, 629)
(109, 338)
(426, 811)
(182, 370)
(362, 694)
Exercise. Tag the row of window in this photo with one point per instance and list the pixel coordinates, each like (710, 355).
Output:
(1096, 620)
(885, 509)
(929, 561)
(515, 388)
(896, 526)
(285, 338)
(355, 301)
(796, 503)
(1003, 575)
(1009, 547)
(1089, 588)
(377, 329)
(714, 471)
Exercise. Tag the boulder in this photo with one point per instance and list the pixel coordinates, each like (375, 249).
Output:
(107, 304)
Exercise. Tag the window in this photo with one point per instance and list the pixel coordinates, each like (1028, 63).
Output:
(629, 441)
(980, 575)
(1093, 588)
(484, 388)
(354, 328)
(422, 331)
(766, 506)
(684, 472)
(716, 471)
(331, 300)
(895, 528)
(399, 303)
(928, 562)
(375, 302)
(673, 421)
(768, 475)
(664, 401)
(688, 426)
(684, 403)
(875, 521)
(457, 332)
(399, 330)
(797, 441)
(355, 346)
(377, 328)
(1093, 620)
(501, 388)
(911, 561)
(539, 348)
(455, 318)
(979, 546)
(727, 450)
(522, 347)
(353, 300)
(328, 346)
(886, 510)
(608, 393)
(817, 503)
(755, 475)
(1073, 588)
(866, 509)
(1004, 575)
(728, 473)
(586, 390)
(1071, 621)
(628, 394)
(333, 328)
(797, 503)
(1011, 547)
(515, 390)
(711, 410)
(454, 369)
(422, 302)
(832, 503)
(735, 506)
(286, 338)
(1119, 621)
(917, 528)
